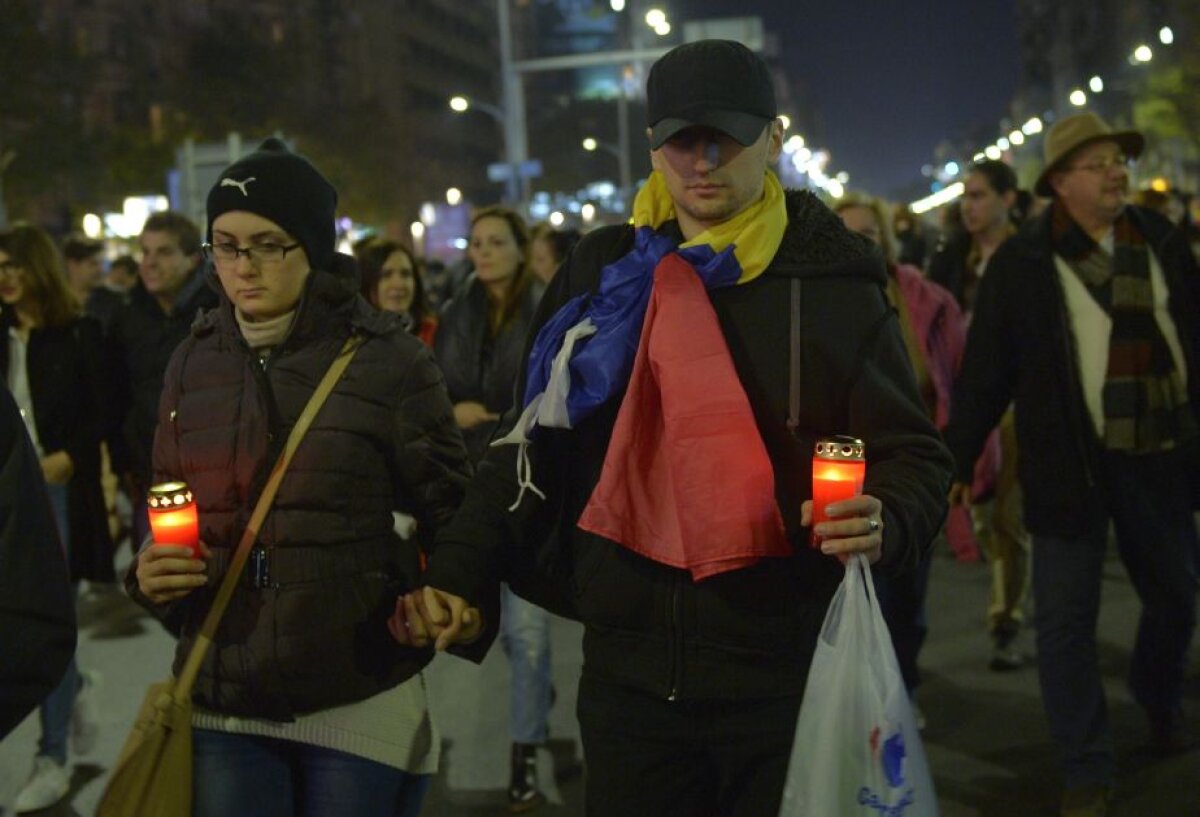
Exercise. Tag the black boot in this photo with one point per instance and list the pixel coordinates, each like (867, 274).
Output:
(523, 793)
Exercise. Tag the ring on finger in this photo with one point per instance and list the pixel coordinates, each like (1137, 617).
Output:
(873, 525)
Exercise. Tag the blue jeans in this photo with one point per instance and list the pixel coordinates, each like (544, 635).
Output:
(267, 777)
(1150, 504)
(55, 712)
(525, 635)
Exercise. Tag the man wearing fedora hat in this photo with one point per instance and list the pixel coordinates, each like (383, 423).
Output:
(1088, 319)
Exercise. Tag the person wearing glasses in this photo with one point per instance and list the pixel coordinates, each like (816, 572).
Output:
(48, 356)
(305, 704)
(1089, 319)
(170, 291)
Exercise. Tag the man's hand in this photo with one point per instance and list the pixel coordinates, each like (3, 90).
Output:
(960, 494)
(469, 414)
(58, 468)
(855, 526)
(168, 572)
(429, 613)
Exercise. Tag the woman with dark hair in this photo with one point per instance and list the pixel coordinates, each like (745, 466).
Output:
(390, 280)
(480, 347)
(548, 248)
(48, 356)
(989, 198)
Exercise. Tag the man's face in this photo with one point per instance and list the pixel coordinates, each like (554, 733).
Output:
(165, 267)
(84, 274)
(711, 177)
(983, 209)
(1094, 184)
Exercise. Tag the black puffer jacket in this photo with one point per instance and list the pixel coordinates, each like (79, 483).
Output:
(141, 338)
(751, 632)
(315, 635)
(479, 368)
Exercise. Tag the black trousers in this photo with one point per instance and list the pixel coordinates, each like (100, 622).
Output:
(653, 757)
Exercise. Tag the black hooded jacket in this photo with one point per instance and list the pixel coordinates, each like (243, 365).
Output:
(750, 632)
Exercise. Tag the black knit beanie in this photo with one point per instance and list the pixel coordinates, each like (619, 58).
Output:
(284, 187)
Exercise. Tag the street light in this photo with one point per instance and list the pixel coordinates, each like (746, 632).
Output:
(1142, 54)
(462, 104)
(453, 196)
(662, 29)
(1078, 98)
(1096, 84)
(591, 144)
(616, 5)
(655, 17)
(1016, 138)
(1166, 36)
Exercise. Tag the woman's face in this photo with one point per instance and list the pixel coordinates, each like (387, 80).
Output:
(541, 259)
(494, 250)
(259, 289)
(397, 284)
(13, 289)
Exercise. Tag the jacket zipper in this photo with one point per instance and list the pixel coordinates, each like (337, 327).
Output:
(674, 639)
(260, 557)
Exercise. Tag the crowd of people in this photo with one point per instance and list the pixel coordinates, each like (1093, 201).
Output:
(615, 428)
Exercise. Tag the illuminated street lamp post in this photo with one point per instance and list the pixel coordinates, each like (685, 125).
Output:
(591, 145)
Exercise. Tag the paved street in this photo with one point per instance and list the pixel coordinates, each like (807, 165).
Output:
(986, 737)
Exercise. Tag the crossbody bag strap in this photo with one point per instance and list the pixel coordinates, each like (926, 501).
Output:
(187, 677)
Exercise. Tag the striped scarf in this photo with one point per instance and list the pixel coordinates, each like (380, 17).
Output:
(1146, 407)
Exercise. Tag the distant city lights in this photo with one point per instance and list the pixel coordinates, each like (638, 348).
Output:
(943, 196)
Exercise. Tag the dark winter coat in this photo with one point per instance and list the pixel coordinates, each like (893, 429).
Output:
(314, 635)
(67, 384)
(479, 368)
(750, 632)
(37, 607)
(1021, 347)
(140, 341)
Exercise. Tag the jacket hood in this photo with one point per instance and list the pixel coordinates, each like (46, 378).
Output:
(817, 243)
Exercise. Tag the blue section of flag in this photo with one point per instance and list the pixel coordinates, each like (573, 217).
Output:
(602, 363)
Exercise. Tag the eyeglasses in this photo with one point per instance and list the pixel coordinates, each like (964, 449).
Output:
(227, 254)
(1105, 163)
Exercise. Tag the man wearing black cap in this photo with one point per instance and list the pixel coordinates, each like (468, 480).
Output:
(654, 480)
(1087, 318)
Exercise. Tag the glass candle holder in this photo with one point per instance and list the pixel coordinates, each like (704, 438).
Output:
(839, 467)
(173, 517)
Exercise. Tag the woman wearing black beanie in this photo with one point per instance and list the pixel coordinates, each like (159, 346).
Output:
(305, 704)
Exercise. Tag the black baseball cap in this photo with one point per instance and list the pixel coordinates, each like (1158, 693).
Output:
(720, 84)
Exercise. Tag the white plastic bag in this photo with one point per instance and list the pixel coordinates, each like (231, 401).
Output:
(857, 750)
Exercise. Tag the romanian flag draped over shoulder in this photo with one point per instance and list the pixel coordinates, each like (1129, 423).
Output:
(686, 480)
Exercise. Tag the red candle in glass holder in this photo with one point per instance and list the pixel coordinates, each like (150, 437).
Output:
(839, 466)
(173, 518)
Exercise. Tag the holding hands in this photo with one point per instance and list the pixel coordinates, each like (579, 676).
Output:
(855, 526)
(429, 614)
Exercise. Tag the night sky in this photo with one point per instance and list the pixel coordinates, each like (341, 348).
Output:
(889, 79)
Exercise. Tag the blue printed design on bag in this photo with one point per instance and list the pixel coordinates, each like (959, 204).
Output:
(890, 755)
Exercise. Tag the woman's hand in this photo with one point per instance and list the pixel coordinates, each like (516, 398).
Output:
(58, 468)
(469, 414)
(168, 572)
(855, 525)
